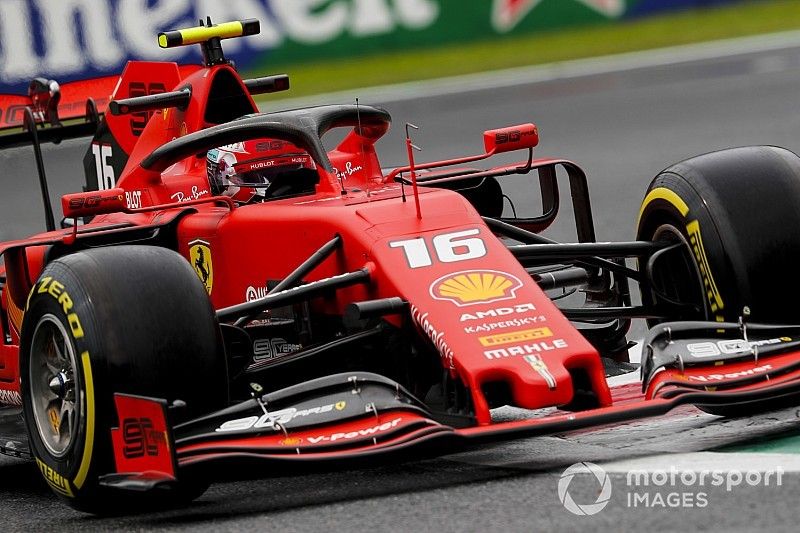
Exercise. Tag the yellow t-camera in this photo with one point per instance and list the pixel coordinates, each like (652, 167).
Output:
(202, 34)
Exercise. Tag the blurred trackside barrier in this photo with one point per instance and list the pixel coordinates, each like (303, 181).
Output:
(70, 39)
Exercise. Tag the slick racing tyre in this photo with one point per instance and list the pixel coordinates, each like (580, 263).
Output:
(734, 217)
(737, 214)
(129, 319)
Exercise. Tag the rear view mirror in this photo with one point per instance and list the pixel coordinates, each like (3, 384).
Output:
(86, 204)
(511, 138)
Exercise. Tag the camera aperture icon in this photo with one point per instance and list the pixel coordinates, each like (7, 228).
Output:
(586, 509)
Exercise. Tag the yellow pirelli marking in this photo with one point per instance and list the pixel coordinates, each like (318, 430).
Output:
(57, 482)
(88, 445)
(712, 292)
(56, 289)
(662, 193)
(516, 336)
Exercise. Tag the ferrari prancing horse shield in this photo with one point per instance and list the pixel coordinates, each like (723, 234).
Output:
(200, 259)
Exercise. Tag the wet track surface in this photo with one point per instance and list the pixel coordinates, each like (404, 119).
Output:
(622, 128)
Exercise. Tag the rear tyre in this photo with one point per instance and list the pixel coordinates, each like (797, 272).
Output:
(130, 319)
(734, 216)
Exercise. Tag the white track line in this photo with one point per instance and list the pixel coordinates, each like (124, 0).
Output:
(712, 461)
(554, 71)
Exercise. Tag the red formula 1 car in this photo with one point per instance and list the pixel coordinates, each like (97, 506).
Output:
(227, 293)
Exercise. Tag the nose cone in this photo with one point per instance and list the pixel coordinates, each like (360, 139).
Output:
(490, 322)
(503, 336)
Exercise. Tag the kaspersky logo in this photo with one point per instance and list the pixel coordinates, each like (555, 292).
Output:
(506, 14)
(472, 287)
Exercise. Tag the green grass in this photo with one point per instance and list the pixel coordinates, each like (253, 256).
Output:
(666, 30)
(776, 444)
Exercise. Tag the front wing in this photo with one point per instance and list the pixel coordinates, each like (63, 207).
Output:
(356, 418)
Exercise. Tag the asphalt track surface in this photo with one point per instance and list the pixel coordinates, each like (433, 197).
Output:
(621, 127)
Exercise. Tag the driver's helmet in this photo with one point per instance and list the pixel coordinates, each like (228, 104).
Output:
(247, 171)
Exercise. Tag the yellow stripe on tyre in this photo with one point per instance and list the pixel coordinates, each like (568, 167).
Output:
(669, 196)
(88, 446)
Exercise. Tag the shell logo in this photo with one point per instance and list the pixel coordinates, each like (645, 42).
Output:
(472, 287)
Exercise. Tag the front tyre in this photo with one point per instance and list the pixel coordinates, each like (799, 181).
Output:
(129, 319)
(736, 214)
(733, 218)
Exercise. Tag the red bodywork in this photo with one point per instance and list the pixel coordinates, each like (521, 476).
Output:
(453, 291)
(468, 295)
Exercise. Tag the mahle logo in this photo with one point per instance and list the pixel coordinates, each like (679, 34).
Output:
(585, 509)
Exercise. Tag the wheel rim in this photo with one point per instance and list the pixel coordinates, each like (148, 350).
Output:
(677, 275)
(54, 382)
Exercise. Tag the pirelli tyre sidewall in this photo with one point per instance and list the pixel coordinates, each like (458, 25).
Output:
(739, 212)
(66, 475)
(138, 320)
